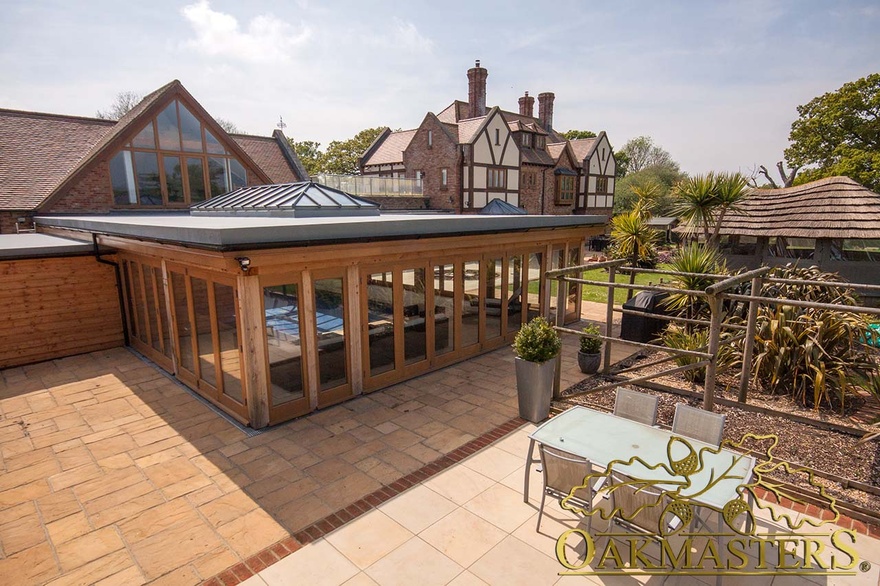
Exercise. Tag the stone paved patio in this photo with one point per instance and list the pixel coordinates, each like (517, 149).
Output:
(112, 473)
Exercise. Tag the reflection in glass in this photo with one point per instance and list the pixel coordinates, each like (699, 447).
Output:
(205, 342)
(380, 307)
(330, 318)
(213, 145)
(414, 335)
(237, 174)
(145, 139)
(195, 168)
(122, 179)
(470, 311)
(150, 307)
(556, 262)
(281, 305)
(574, 259)
(227, 333)
(492, 298)
(169, 134)
(181, 317)
(217, 176)
(514, 293)
(444, 309)
(139, 308)
(191, 130)
(149, 188)
(534, 286)
(163, 312)
(173, 179)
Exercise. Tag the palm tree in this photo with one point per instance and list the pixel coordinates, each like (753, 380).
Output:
(632, 238)
(696, 202)
(731, 189)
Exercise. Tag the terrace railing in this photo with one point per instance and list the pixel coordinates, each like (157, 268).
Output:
(369, 186)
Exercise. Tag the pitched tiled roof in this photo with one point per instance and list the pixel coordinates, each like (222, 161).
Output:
(836, 207)
(38, 152)
(532, 156)
(42, 153)
(556, 150)
(391, 149)
(454, 112)
(582, 148)
(266, 152)
(467, 129)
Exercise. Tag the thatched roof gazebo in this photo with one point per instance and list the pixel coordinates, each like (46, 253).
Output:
(833, 223)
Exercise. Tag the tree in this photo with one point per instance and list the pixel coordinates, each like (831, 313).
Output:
(341, 157)
(662, 177)
(786, 176)
(702, 201)
(121, 106)
(309, 153)
(641, 152)
(576, 134)
(839, 133)
(228, 126)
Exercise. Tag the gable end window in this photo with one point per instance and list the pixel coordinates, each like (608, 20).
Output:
(496, 178)
(564, 189)
(601, 184)
(173, 161)
(497, 137)
(430, 139)
(444, 178)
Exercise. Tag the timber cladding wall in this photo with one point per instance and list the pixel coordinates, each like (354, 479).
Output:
(54, 307)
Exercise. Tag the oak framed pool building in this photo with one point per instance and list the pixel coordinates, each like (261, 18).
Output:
(271, 311)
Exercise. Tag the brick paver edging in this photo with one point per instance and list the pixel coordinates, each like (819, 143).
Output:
(262, 560)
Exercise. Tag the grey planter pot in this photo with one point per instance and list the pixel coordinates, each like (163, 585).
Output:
(589, 363)
(534, 388)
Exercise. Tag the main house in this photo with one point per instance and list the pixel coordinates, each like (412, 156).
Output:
(466, 156)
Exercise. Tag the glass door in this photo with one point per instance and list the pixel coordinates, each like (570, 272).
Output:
(331, 342)
(285, 349)
(146, 312)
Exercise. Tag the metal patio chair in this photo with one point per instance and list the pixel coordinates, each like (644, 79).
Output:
(562, 472)
(698, 424)
(642, 507)
(636, 406)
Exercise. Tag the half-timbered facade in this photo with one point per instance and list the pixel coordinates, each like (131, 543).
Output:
(452, 151)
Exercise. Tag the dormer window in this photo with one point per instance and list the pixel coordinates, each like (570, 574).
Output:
(539, 142)
(527, 139)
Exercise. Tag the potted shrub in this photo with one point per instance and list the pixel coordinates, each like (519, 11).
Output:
(536, 345)
(589, 355)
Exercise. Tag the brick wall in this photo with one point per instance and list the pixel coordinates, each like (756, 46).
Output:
(530, 181)
(93, 193)
(401, 203)
(443, 153)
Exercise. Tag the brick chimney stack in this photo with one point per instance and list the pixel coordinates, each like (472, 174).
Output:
(477, 90)
(527, 106)
(545, 109)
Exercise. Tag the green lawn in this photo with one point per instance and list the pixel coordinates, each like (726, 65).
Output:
(600, 294)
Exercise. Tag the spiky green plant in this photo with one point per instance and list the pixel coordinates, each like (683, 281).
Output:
(697, 339)
(696, 202)
(698, 260)
(730, 190)
(813, 355)
(633, 239)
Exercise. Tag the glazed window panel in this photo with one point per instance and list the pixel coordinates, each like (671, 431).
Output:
(163, 312)
(535, 283)
(514, 293)
(196, 175)
(493, 297)
(444, 309)
(182, 320)
(146, 138)
(213, 146)
(330, 318)
(217, 176)
(470, 311)
(227, 334)
(602, 185)
(565, 188)
(380, 308)
(556, 262)
(173, 179)
(282, 310)
(169, 131)
(150, 307)
(122, 179)
(149, 185)
(414, 331)
(138, 302)
(190, 131)
(237, 174)
(204, 338)
(574, 259)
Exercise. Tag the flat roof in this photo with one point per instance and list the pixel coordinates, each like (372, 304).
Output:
(231, 233)
(39, 245)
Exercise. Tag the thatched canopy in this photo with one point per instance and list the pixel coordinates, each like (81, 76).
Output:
(836, 207)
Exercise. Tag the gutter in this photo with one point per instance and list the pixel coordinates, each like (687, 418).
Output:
(115, 266)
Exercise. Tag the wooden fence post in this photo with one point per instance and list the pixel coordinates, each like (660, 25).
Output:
(749, 347)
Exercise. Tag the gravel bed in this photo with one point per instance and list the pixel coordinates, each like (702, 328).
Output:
(836, 453)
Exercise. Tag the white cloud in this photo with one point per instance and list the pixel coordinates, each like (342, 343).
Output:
(402, 35)
(265, 39)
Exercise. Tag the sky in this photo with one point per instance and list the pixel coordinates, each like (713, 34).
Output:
(716, 83)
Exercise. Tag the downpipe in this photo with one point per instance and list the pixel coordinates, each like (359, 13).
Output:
(115, 266)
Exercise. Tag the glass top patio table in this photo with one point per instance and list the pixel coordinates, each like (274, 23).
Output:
(604, 438)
